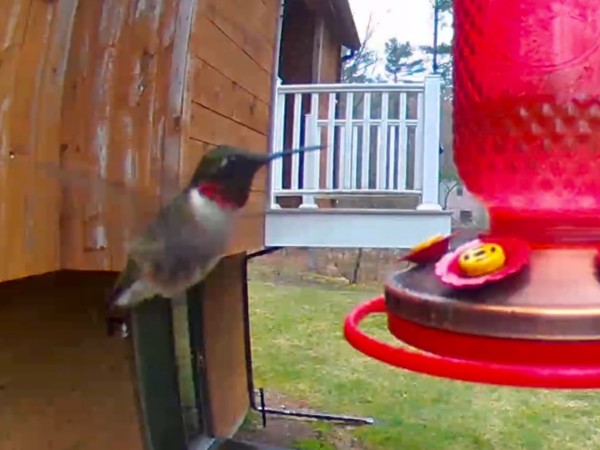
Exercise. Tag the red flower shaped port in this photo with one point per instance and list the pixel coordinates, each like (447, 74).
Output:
(482, 261)
(430, 250)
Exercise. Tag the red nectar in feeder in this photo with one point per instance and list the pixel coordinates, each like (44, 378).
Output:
(527, 115)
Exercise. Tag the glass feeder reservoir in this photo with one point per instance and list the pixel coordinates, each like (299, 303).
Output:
(527, 114)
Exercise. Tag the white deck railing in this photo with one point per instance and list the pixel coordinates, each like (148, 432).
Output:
(380, 139)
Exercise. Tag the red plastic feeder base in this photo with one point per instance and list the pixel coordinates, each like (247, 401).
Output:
(471, 370)
(539, 329)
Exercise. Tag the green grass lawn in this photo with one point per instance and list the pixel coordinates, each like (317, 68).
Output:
(299, 350)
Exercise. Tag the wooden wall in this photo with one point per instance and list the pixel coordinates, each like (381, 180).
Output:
(297, 43)
(331, 59)
(306, 56)
(229, 93)
(63, 383)
(127, 92)
(95, 88)
(121, 115)
(225, 350)
(34, 46)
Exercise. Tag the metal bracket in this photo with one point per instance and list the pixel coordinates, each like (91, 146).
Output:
(308, 415)
(262, 408)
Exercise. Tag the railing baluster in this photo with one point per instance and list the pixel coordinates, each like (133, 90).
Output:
(330, 140)
(418, 159)
(312, 160)
(278, 144)
(366, 140)
(346, 151)
(342, 160)
(295, 185)
(373, 168)
(354, 158)
(392, 178)
(383, 144)
(430, 173)
(402, 143)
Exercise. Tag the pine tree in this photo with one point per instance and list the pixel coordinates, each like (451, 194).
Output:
(399, 58)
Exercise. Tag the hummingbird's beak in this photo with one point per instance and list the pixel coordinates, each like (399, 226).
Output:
(284, 153)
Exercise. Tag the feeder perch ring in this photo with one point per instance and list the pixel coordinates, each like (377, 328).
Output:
(515, 375)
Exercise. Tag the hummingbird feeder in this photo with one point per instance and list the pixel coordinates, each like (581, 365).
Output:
(520, 305)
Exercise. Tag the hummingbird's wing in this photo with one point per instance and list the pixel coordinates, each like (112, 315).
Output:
(176, 245)
(50, 211)
(78, 192)
(174, 252)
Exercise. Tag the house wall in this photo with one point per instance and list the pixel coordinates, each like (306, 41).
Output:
(106, 90)
(63, 383)
(34, 40)
(331, 60)
(297, 43)
(225, 350)
(94, 89)
(121, 112)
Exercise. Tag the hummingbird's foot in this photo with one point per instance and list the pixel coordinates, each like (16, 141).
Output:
(118, 326)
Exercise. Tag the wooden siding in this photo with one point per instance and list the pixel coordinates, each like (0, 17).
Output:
(297, 43)
(331, 59)
(95, 87)
(124, 91)
(225, 351)
(34, 46)
(229, 92)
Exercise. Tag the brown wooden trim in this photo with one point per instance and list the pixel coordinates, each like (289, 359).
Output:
(339, 18)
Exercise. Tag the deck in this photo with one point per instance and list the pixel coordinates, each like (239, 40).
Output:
(376, 184)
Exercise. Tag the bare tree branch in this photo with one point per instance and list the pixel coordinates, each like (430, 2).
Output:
(359, 68)
(451, 187)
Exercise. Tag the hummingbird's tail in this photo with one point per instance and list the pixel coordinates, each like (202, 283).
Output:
(121, 298)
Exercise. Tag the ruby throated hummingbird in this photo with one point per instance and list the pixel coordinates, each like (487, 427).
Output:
(190, 233)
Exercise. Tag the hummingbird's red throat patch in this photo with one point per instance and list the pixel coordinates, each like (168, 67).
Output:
(214, 192)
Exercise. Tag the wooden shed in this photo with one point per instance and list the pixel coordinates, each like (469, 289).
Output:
(133, 92)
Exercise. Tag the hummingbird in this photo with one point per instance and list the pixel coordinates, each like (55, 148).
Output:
(190, 233)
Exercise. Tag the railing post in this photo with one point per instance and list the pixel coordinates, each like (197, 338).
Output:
(277, 143)
(431, 144)
(312, 160)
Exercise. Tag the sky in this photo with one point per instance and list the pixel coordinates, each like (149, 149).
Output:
(407, 20)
